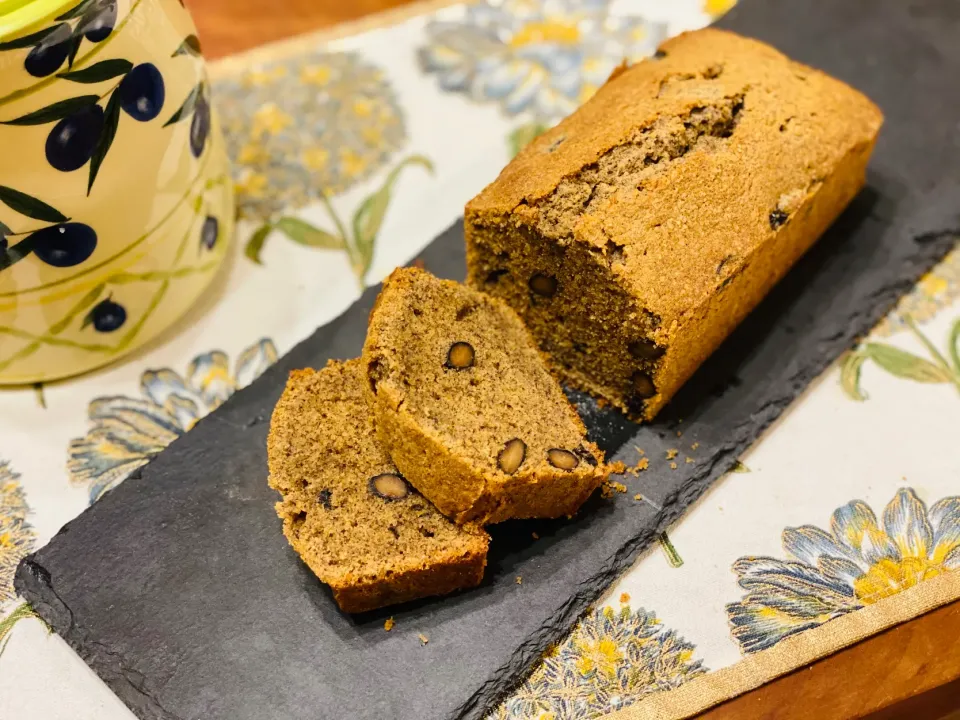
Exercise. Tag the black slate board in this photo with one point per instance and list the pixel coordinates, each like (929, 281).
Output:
(179, 590)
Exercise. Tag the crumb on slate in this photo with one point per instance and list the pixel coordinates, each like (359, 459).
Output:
(617, 468)
(672, 453)
(423, 639)
(388, 625)
(624, 598)
(641, 465)
(695, 446)
(519, 580)
(638, 497)
(639, 449)
(535, 536)
(673, 466)
(689, 460)
(679, 434)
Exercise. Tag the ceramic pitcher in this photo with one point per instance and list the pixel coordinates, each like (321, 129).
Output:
(116, 206)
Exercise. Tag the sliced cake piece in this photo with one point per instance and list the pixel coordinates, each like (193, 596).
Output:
(346, 510)
(466, 407)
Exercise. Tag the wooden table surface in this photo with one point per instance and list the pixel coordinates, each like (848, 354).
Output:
(910, 671)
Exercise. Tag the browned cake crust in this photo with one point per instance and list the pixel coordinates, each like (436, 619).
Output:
(363, 530)
(634, 236)
(466, 407)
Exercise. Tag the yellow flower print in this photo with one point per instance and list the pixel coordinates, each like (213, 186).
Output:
(362, 108)
(609, 661)
(250, 185)
(598, 655)
(315, 75)
(269, 119)
(316, 158)
(535, 57)
(371, 136)
(716, 8)
(16, 535)
(323, 121)
(352, 162)
(251, 153)
(861, 560)
(259, 77)
(936, 291)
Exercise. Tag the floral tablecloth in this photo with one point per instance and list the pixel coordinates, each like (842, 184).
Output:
(351, 153)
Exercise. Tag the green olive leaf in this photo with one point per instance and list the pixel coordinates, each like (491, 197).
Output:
(111, 119)
(5, 230)
(850, 366)
(186, 110)
(368, 218)
(30, 206)
(254, 245)
(28, 40)
(74, 49)
(16, 253)
(906, 365)
(305, 234)
(189, 46)
(54, 112)
(98, 72)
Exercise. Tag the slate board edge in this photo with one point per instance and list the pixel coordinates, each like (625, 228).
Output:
(33, 582)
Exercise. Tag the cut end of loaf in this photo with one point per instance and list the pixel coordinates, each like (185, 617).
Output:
(634, 236)
(467, 408)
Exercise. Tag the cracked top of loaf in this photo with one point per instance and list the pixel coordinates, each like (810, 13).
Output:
(683, 164)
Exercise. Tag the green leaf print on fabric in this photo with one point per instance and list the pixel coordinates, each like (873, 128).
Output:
(903, 364)
(359, 243)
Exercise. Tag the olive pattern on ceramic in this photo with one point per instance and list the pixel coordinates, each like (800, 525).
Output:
(62, 243)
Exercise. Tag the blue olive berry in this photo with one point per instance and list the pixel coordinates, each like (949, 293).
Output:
(47, 57)
(72, 141)
(108, 316)
(64, 245)
(99, 22)
(210, 233)
(142, 92)
(199, 127)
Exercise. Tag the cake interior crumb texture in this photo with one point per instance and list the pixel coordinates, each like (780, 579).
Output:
(635, 235)
(358, 525)
(467, 408)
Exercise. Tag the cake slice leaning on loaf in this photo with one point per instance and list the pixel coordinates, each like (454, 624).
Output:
(346, 511)
(466, 407)
(636, 234)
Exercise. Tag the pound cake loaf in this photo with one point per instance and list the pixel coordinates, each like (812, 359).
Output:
(635, 235)
(466, 407)
(346, 510)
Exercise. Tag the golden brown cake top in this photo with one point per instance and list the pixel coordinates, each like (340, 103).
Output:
(681, 165)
